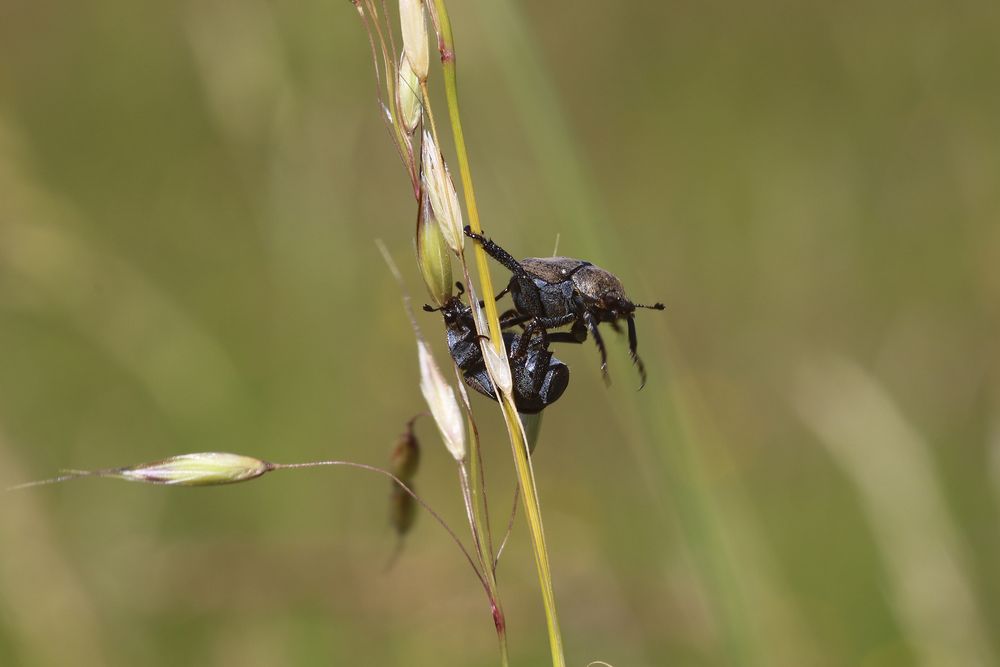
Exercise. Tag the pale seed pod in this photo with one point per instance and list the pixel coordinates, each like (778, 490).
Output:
(201, 469)
(438, 186)
(432, 254)
(497, 366)
(413, 25)
(408, 95)
(444, 407)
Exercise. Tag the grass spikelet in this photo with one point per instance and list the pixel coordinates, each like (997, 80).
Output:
(413, 25)
(441, 400)
(408, 96)
(432, 255)
(439, 187)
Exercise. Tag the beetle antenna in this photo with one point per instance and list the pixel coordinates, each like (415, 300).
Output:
(655, 306)
(460, 287)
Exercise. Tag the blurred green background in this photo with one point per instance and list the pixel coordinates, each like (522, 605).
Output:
(189, 197)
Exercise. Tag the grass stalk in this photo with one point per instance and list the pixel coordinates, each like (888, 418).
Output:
(525, 474)
(473, 485)
(480, 533)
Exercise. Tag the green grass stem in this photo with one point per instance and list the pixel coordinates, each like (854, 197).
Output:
(532, 509)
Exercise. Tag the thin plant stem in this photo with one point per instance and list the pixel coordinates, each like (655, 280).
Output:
(533, 513)
(428, 109)
(430, 510)
(446, 47)
(510, 527)
(476, 473)
(485, 561)
(474, 483)
(478, 518)
(532, 509)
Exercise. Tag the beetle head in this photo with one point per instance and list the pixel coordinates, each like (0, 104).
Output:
(600, 287)
(609, 300)
(453, 309)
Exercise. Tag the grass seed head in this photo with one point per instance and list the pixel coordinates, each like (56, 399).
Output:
(438, 186)
(201, 469)
(408, 95)
(444, 407)
(413, 25)
(497, 366)
(432, 255)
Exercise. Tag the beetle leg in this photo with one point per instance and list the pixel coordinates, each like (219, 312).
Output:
(592, 325)
(541, 375)
(539, 384)
(565, 337)
(553, 322)
(497, 253)
(510, 318)
(519, 348)
(576, 335)
(522, 345)
(536, 326)
(500, 295)
(633, 343)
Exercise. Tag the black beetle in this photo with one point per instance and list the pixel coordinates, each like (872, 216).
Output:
(555, 291)
(539, 379)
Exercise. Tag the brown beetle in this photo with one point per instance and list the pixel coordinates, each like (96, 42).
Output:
(555, 291)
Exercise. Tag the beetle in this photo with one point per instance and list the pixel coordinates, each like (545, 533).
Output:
(555, 291)
(538, 377)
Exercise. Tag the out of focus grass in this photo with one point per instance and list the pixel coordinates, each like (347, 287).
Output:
(188, 199)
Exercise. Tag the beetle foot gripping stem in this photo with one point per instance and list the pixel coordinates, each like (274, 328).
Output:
(496, 252)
